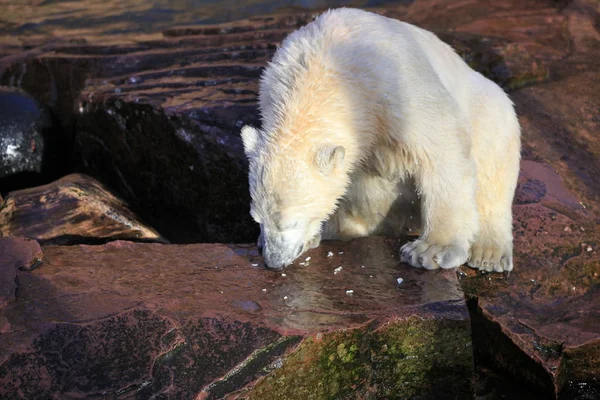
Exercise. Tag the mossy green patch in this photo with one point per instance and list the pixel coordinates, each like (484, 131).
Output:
(408, 358)
(424, 359)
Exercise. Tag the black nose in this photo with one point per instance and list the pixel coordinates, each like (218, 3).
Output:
(277, 266)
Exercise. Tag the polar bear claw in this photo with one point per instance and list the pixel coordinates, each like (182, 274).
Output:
(421, 254)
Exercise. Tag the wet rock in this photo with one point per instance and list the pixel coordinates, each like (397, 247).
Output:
(202, 321)
(24, 125)
(74, 209)
(540, 323)
(21, 143)
(192, 186)
(530, 191)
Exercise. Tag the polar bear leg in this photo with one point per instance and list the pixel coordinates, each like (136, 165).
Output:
(374, 204)
(446, 180)
(493, 246)
(497, 175)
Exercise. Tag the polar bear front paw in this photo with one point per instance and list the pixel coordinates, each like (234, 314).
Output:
(489, 256)
(421, 254)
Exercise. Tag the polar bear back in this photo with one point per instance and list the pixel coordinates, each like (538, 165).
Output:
(384, 63)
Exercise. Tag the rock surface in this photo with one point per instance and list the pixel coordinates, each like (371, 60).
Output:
(25, 127)
(76, 208)
(21, 142)
(15, 253)
(209, 321)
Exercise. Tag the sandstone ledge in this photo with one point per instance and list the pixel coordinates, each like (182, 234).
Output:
(76, 208)
(133, 320)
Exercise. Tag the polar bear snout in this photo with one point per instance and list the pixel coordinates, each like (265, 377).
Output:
(279, 248)
(278, 255)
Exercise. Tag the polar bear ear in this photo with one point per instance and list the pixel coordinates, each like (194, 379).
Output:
(329, 158)
(249, 138)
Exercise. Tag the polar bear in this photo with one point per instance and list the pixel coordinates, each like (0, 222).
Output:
(364, 117)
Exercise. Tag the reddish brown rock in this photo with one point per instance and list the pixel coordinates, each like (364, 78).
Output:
(73, 209)
(544, 316)
(15, 254)
(209, 320)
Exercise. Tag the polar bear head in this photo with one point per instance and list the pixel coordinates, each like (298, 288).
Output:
(295, 185)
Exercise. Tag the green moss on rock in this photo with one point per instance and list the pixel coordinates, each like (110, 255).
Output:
(409, 358)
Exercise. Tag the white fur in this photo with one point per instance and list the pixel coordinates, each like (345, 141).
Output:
(414, 124)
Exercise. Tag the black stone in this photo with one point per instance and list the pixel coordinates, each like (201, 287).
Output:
(30, 149)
